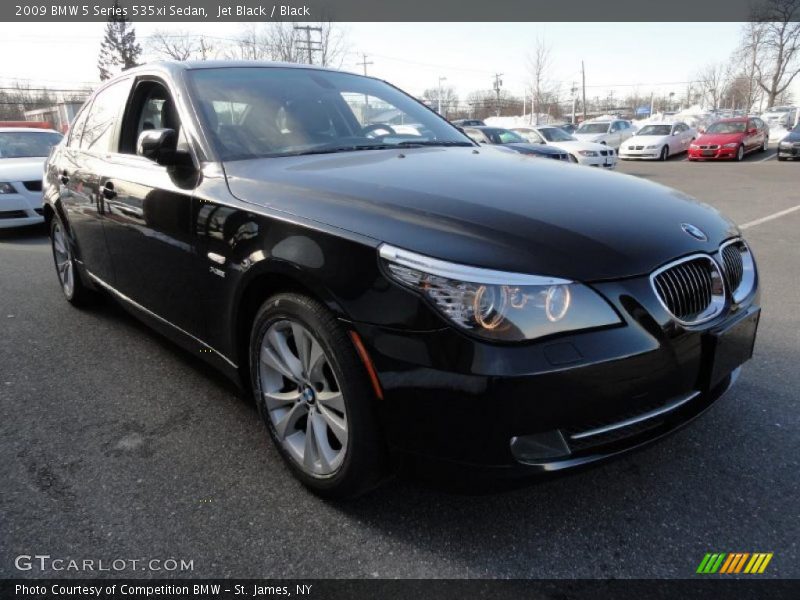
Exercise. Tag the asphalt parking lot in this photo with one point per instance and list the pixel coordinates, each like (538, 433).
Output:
(114, 443)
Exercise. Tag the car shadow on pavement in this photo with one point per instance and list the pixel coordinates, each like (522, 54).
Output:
(31, 234)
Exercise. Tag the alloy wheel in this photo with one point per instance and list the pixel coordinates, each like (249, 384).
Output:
(303, 398)
(63, 258)
(665, 153)
(740, 153)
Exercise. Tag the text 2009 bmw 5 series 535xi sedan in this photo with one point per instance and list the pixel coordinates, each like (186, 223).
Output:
(396, 292)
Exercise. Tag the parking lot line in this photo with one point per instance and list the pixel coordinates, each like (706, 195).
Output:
(771, 156)
(776, 215)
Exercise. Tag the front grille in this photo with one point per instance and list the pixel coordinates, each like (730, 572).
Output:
(33, 186)
(39, 211)
(691, 289)
(734, 267)
(712, 147)
(638, 147)
(606, 152)
(12, 214)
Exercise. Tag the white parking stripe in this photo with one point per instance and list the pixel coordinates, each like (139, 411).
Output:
(776, 215)
(771, 156)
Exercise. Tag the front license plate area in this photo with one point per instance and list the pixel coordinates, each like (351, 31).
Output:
(708, 153)
(731, 346)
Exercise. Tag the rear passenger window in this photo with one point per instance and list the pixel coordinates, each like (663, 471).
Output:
(100, 126)
(76, 129)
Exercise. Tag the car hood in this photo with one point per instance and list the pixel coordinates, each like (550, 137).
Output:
(588, 137)
(794, 136)
(719, 138)
(491, 209)
(577, 145)
(644, 140)
(530, 148)
(21, 169)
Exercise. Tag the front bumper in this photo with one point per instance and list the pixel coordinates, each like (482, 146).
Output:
(551, 405)
(642, 154)
(713, 154)
(790, 152)
(603, 162)
(22, 208)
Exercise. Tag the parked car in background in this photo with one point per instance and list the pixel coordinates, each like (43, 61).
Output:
(468, 123)
(730, 139)
(505, 139)
(780, 117)
(23, 151)
(658, 141)
(789, 147)
(611, 133)
(568, 127)
(383, 295)
(584, 153)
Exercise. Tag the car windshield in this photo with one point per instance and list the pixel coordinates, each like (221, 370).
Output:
(255, 112)
(505, 136)
(735, 127)
(593, 128)
(554, 134)
(24, 144)
(655, 130)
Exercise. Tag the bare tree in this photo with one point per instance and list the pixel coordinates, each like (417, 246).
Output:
(178, 45)
(539, 64)
(713, 81)
(777, 46)
(446, 95)
(281, 41)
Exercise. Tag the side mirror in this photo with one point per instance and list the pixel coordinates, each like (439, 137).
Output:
(752, 131)
(161, 146)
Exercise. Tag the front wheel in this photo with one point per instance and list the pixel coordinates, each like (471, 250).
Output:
(763, 146)
(664, 153)
(74, 290)
(740, 154)
(315, 397)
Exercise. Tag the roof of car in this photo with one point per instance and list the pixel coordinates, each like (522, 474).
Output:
(174, 66)
(670, 123)
(34, 129)
(733, 119)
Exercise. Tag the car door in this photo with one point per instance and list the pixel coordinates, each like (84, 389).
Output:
(80, 190)
(149, 214)
(754, 136)
(613, 137)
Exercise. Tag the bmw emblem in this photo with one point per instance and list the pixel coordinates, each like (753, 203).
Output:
(695, 232)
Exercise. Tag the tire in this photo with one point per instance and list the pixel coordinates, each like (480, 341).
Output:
(573, 158)
(739, 154)
(664, 153)
(334, 447)
(764, 145)
(69, 278)
(782, 158)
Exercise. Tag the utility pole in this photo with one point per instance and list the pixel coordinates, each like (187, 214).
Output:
(583, 78)
(439, 110)
(364, 62)
(203, 48)
(311, 46)
(498, 83)
(572, 91)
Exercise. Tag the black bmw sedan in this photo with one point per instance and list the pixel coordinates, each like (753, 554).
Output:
(789, 146)
(388, 292)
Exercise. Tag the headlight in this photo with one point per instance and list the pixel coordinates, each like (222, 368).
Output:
(495, 305)
(785, 144)
(7, 188)
(731, 145)
(694, 146)
(588, 153)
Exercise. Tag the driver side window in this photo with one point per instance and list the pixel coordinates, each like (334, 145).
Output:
(153, 108)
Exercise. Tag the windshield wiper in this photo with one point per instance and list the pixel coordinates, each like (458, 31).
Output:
(411, 143)
(357, 147)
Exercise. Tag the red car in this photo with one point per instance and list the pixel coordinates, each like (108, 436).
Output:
(730, 139)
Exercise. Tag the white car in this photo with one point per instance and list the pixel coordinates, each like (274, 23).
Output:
(611, 133)
(780, 117)
(22, 155)
(658, 141)
(584, 153)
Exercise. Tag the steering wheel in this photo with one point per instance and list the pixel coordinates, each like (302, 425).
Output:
(377, 127)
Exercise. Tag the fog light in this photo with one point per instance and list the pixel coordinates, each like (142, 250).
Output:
(539, 446)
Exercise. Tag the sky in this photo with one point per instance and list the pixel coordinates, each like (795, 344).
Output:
(659, 57)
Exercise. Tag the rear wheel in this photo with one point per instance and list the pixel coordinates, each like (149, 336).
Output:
(763, 146)
(664, 153)
(74, 290)
(315, 397)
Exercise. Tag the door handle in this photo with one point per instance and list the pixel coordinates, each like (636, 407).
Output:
(64, 177)
(108, 191)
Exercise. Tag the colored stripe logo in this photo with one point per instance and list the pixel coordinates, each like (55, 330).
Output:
(734, 562)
